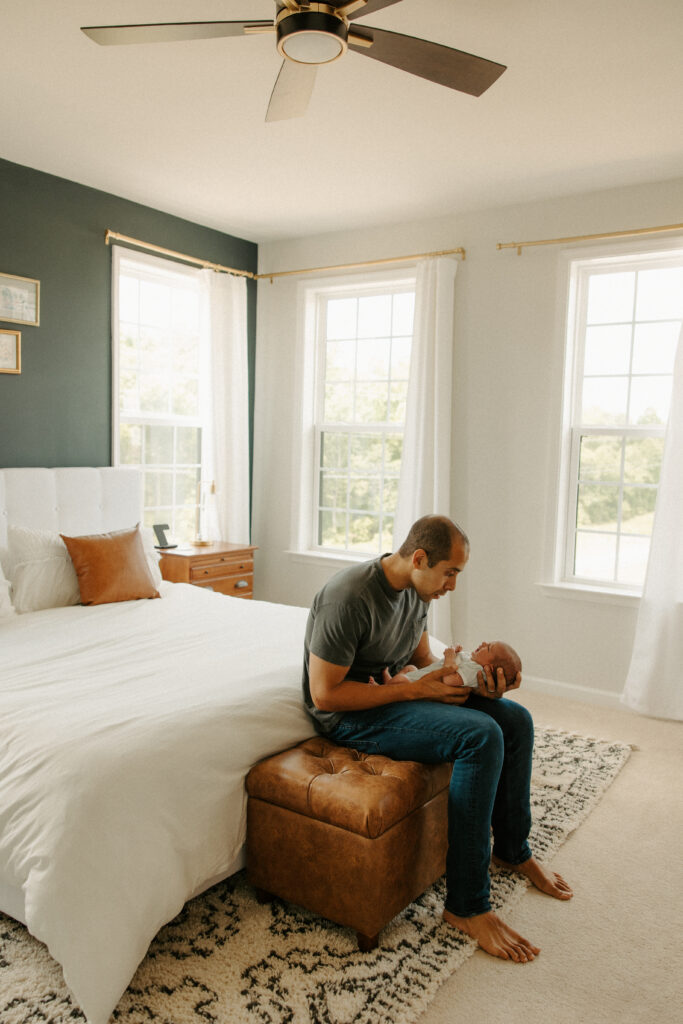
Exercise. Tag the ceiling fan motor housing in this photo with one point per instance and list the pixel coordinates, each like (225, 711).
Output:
(311, 37)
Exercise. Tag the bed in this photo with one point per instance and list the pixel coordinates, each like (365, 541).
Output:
(126, 732)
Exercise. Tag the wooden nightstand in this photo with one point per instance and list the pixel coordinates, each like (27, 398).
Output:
(226, 568)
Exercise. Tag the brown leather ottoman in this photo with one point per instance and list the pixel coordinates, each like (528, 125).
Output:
(353, 837)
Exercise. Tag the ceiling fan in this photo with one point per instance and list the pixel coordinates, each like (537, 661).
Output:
(311, 34)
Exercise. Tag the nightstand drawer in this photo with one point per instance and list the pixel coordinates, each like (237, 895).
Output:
(221, 567)
(234, 586)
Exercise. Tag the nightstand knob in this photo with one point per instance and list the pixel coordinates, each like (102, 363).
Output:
(241, 584)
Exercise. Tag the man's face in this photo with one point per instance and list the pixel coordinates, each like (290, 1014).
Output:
(432, 583)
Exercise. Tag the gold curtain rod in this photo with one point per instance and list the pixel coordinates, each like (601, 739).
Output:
(366, 263)
(115, 236)
(588, 238)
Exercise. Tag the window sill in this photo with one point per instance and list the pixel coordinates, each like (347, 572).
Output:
(584, 592)
(327, 558)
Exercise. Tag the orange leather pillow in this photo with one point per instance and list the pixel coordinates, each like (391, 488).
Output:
(111, 567)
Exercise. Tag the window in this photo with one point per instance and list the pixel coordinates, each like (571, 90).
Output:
(625, 315)
(360, 344)
(160, 379)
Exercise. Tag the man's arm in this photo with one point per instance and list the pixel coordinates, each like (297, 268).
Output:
(332, 691)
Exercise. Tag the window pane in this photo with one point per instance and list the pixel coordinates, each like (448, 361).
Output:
(130, 444)
(400, 358)
(155, 393)
(341, 318)
(333, 490)
(390, 493)
(373, 359)
(185, 397)
(610, 297)
(654, 348)
(638, 510)
(184, 310)
(185, 354)
(371, 403)
(393, 452)
(338, 403)
(185, 523)
(650, 400)
(608, 349)
(366, 452)
(158, 488)
(387, 534)
(129, 400)
(633, 555)
(188, 445)
(600, 459)
(128, 298)
(660, 294)
(403, 313)
(332, 529)
(595, 556)
(187, 487)
(397, 402)
(364, 533)
(604, 400)
(598, 506)
(364, 494)
(128, 347)
(374, 316)
(340, 360)
(334, 450)
(643, 460)
(159, 446)
(154, 304)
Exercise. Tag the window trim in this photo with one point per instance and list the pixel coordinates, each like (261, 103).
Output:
(309, 370)
(570, 307)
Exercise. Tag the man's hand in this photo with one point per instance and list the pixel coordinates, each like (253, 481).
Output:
(492, 688)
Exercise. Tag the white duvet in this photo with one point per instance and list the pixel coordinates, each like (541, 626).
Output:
(126, 732)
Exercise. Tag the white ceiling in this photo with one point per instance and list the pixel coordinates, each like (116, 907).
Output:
(592, 98)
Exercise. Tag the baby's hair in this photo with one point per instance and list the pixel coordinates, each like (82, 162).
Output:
(509, 661)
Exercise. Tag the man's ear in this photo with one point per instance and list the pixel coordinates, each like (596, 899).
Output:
(420, 558)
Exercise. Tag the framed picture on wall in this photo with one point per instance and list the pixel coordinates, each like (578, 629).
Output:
(19, 300)
(10, 351)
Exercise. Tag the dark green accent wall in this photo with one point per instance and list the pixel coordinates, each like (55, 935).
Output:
(57, 412)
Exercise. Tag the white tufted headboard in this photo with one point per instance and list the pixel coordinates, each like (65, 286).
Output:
(74, 501)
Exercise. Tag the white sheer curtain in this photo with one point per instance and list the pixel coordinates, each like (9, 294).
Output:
(425, 484)
(226, 319)
(654, 684)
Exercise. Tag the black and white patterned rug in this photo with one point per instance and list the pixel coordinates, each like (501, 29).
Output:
(226, 959)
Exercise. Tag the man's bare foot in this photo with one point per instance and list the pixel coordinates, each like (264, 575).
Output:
(540, 876)
(494, 936)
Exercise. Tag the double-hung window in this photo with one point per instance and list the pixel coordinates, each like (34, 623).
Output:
(359, 345)
(625, 314)
(160, 380)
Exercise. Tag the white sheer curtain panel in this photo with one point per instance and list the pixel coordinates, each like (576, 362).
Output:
(654, 684)
(226, 318)
(425, 484)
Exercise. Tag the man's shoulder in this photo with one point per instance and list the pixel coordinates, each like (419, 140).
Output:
(350, 584)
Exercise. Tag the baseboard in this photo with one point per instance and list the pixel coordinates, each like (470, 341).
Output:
(572, 691)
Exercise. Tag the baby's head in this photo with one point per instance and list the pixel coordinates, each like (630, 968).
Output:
(499, 655)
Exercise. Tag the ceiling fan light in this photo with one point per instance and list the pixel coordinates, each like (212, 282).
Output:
(311, 37)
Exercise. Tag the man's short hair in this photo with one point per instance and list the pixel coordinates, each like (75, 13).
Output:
(435, 535)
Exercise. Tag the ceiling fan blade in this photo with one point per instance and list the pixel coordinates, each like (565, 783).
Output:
(453, 68)
(292, 91)
(117, 35)
(371, 7)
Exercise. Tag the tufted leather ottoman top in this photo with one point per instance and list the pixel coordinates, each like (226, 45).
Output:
(363, 793)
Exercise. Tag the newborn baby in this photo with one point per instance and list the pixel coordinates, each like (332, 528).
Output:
(468, 664)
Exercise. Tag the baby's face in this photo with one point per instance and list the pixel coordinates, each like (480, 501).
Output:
(488, 653)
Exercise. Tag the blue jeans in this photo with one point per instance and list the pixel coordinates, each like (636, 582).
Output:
(490, 743)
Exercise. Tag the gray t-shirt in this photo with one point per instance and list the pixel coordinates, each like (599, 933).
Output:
(358, 619)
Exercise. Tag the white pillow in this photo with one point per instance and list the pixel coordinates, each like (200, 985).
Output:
(41, 572)
(6, 606)
(153, 556)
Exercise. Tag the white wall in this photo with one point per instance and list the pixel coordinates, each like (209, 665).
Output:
(508, 361)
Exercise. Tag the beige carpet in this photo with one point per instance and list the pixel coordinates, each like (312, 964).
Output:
(613, 955)
(226, 959)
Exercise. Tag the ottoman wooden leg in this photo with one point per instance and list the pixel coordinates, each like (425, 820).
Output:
(367, 942)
